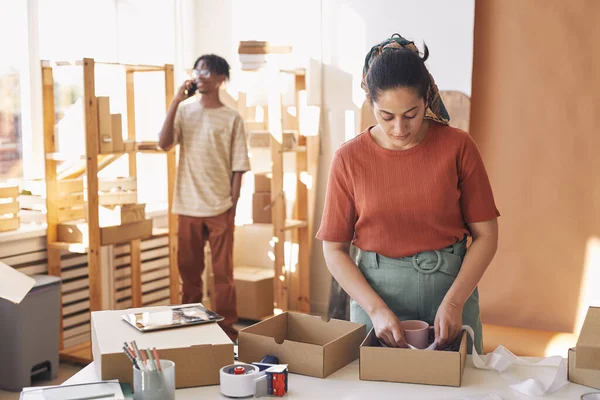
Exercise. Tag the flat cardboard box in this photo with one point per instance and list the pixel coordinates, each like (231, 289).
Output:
(116, 125)
(309, 345)
(104, 125)
(254, 292)
(198, 351)
(120, 215)
(262, 183)
(581, 376)
(77, 232)
(261, 208)
(443, 368)
(588, 344)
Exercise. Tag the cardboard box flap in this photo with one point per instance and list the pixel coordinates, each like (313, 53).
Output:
(588, 344)
(313, 329)
(110, 332)
(14, 285)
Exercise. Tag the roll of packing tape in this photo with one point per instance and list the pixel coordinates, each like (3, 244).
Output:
(237, 380)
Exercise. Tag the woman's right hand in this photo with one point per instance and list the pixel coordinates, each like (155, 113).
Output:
(388, 328)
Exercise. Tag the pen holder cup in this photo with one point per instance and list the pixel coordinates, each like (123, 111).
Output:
(155, 385)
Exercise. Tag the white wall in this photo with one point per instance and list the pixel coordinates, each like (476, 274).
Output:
(339, 33)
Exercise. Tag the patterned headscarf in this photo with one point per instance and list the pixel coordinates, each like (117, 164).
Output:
(435, 110)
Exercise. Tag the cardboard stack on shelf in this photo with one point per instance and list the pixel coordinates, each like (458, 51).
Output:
(110, 130)
(261, 199)
(254, 53)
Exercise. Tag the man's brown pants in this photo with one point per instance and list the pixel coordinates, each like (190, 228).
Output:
(192, 236)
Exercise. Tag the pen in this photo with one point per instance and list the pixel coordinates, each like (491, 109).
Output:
(145, 360)
(156, 358)
(139, 357)
(130, 356)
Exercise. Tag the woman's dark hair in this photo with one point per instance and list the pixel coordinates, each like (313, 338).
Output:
(396, 68)
(215, 63)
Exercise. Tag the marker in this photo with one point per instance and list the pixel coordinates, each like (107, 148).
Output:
(156, 358)
(151, 360)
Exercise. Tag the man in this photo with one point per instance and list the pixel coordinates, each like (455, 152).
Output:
(212, 159)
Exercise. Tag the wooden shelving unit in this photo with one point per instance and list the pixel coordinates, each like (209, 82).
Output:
(68, 199)
(291, 287)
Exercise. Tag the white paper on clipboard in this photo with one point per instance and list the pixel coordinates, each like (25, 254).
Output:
(14, 285)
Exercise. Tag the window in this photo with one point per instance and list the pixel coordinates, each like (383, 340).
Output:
(12, 58)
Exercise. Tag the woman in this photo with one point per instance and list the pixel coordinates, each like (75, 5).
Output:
(407, 192)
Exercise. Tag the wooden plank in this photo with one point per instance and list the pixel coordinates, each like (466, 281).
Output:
(77, 339)
(69, 186)
(75, 296)
(163, 302)
(123, 183)
(136, 273)
(71, 214)
(9, 208)
(71, 200)
(78, 330)
(76, 307)
(9, 192)
(75, 320)
(162, 252)
(78, 355)
(72, 286)
(26, 258)
(9, 224)
(91, 151)
(75, 273)
(70, 247)
(123, 233)
(34, 269)
(280, 282)
(155, 296)
(175, 291)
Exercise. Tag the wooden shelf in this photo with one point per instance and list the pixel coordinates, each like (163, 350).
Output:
(297, 149)
(295, 224)
(80, 354)
(80, 248)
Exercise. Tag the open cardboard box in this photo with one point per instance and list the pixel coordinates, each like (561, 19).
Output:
(443, 368)
(198, 351)
(309, 345)
(584, 360)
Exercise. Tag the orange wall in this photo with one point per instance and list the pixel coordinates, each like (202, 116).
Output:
(536, 118)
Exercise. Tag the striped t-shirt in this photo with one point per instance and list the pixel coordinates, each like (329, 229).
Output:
(212, 146)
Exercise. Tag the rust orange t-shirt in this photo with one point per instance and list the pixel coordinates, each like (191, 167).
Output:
(398, 203)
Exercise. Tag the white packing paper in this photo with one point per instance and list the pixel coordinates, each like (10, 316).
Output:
(14, 285)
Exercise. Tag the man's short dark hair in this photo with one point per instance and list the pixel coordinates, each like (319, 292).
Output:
(215, 64)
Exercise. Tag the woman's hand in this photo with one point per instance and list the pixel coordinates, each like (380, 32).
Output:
(388, 328)
(448, 323)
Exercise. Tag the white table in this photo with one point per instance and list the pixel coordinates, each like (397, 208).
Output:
(344, 384)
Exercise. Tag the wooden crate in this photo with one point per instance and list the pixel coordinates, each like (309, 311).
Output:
(9, 208)
(78, 232)
(122, 214)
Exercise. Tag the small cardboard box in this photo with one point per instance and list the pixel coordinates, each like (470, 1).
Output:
(588, 344)
(104, 125)
(581, 376)
(443, 368)
(116, 126)
(119, 215)
(254, 292)
(309, 345)
(262, 183)
(261, 210)
(198, 351)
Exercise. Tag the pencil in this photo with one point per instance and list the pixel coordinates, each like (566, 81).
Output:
(145, 360)
(151, 358)
(156, 358)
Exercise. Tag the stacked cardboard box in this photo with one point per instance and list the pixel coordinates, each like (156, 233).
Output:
(584, 360)
(261, 200)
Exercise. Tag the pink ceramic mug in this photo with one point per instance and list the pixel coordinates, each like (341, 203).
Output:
(416, 333)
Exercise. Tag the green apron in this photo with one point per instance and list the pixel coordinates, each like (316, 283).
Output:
(413, 287)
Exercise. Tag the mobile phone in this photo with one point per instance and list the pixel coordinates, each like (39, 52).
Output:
(192, 89)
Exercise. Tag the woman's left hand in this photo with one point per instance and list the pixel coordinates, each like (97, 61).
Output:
(448, 323)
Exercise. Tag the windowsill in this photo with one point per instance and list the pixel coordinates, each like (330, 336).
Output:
(32, 230)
